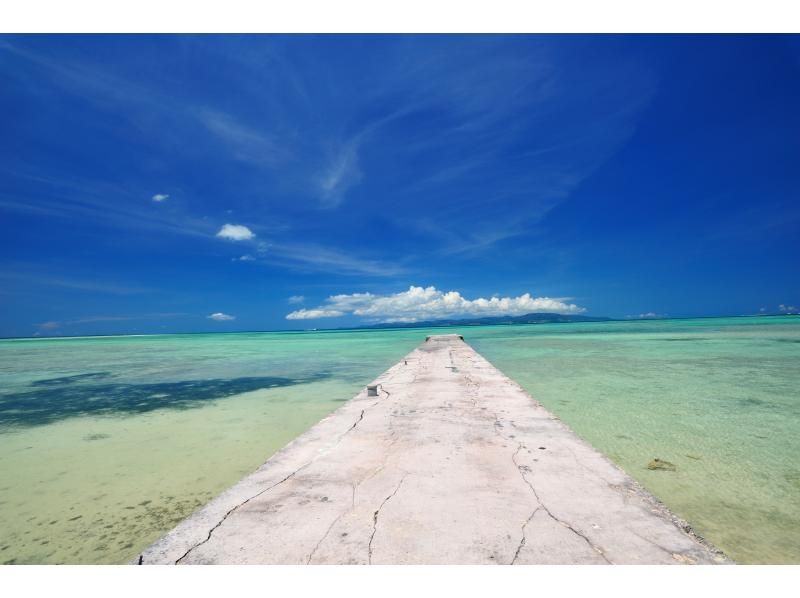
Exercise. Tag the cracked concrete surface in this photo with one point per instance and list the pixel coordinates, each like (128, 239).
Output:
(453, 463)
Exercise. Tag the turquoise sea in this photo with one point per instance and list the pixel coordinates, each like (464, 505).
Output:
(107, 442)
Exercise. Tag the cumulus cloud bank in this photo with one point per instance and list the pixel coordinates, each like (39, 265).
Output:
(419, 304)
(221, 317)
(235, 232)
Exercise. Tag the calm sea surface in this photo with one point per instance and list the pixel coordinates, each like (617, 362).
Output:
(106, 443)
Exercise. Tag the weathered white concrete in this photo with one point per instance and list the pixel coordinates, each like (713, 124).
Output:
(453, 463)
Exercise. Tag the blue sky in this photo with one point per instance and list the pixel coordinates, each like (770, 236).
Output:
(179, 183)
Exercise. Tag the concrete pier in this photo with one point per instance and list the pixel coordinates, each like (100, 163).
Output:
(452, 463)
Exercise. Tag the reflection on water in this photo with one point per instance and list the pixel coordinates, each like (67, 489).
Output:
(52, 399)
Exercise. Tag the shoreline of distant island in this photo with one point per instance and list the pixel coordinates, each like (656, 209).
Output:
(532, 318)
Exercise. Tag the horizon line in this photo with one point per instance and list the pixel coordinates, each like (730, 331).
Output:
(375, 327)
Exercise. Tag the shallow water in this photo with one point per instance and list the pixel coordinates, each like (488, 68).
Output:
(719, 398)
(106, 443)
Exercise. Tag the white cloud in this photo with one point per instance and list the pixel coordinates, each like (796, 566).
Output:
(295, 299)
(650, 315)
(221, 317)
(312, 314)
(159, 197)
(418, 303)
(787, 309)
(244, 258)
(235, 232)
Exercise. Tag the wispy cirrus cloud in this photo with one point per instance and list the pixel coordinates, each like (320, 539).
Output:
(340, 174)
(493, 144)
(448, 146)
(100, 86)
(312, 257)
(429, 303)
(148, 105)
(99, 202)
(35, 277)
(247, 143)
(455, 242)
(53, 325)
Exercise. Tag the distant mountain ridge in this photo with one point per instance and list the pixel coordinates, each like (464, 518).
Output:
(534, 318)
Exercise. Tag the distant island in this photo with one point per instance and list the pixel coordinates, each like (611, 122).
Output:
(536, 318)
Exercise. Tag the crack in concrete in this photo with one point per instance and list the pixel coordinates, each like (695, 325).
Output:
(358, 421)
(376, 471)
(474, 388)
(330, 527)
(241, 504)
(498, 427)
(651, 542)
(356, 486)
(523, 540)
(594, 547)
(422, 410)
(264, 491)
(352, 508)
(375, 518)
